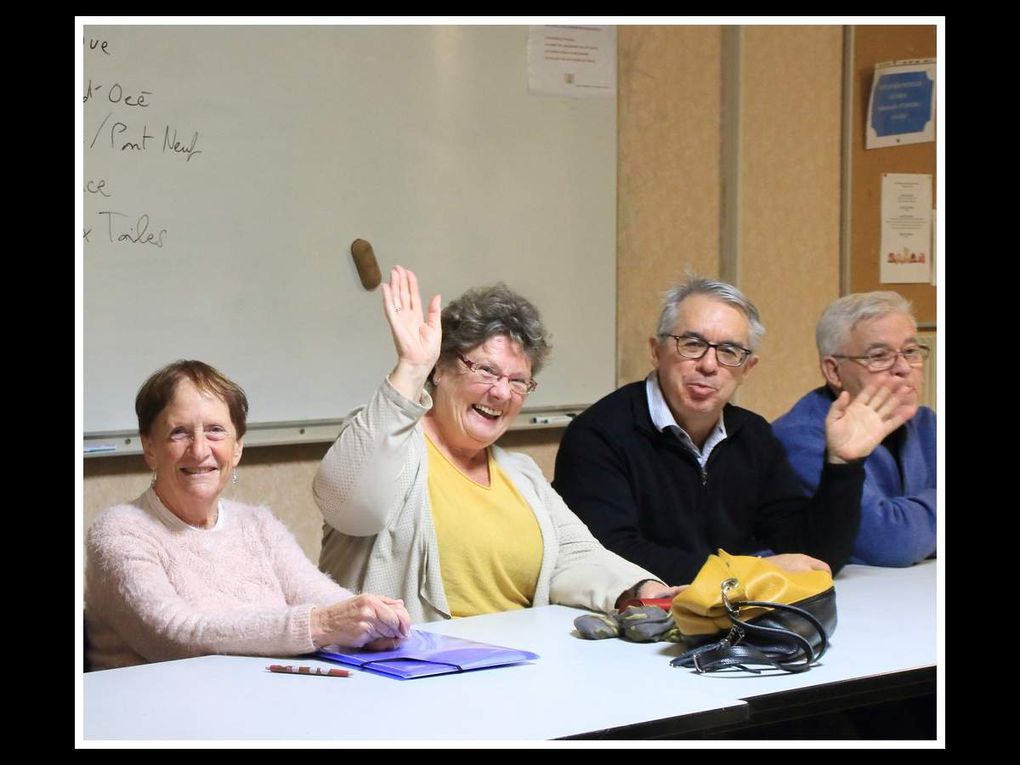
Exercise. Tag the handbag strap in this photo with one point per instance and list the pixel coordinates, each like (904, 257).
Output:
(780, 633)
(718, 656)
(789, 651)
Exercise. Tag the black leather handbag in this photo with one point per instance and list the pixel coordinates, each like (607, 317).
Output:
(788, 636)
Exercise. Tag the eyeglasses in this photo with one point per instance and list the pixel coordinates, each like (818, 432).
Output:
(881, 359)
(489, 376)
(728, 354)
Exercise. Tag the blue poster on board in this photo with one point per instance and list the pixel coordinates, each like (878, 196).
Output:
(902, 105)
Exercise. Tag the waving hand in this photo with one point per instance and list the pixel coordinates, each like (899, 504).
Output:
(417, 334)
(854, 428)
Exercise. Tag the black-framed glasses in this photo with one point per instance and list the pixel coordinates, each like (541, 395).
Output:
(882, 359)
(486, 374)
(729, 354)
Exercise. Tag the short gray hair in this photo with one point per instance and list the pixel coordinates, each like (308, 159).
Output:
(840, 318)
(485, 312)
(721, 291)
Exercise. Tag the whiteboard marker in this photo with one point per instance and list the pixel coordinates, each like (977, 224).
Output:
(100, 448)
(553, 419)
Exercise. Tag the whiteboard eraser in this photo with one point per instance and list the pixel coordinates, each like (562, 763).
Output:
(365, 262)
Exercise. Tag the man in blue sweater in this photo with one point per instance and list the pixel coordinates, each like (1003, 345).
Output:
(866, 339)
(665, 471)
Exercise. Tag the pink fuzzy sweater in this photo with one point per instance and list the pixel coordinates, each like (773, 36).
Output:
(157, 589)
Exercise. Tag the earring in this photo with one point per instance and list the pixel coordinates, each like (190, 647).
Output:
(234, 478)
(155, 475)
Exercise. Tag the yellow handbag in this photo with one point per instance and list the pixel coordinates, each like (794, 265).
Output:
(742, 611)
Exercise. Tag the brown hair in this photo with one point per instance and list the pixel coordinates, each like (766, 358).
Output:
(158, 391)
(493, 311)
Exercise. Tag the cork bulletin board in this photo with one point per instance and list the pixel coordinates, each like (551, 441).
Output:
(871, 45)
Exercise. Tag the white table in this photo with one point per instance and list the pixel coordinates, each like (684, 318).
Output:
(885, 644)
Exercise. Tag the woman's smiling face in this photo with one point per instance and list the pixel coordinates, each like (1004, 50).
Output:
(471, 415)
(193, 448)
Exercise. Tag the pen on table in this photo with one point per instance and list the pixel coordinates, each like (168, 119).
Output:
(291, 670)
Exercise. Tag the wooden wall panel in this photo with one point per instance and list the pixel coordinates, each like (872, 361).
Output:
(789, 177)
(668, 176)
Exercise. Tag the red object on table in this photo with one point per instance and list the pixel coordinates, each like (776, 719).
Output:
(664, 603)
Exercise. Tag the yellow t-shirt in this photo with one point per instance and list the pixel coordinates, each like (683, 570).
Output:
(490, 546)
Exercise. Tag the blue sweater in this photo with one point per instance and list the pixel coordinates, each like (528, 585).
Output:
(897, 511)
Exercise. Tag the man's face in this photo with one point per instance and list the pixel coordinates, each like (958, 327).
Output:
(697, 389)
(891, 332)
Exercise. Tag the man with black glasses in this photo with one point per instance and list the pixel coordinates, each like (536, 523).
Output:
(867, 339)
(666, 470)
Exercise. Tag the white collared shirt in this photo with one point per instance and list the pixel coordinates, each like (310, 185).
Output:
(663, 419)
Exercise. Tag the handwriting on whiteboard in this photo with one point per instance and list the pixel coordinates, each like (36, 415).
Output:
(123, 119)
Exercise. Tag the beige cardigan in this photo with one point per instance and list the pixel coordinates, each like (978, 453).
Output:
(378, 537)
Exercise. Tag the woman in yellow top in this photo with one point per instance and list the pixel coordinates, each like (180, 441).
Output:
(420, 504)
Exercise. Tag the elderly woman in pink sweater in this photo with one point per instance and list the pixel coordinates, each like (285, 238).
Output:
(181, 572)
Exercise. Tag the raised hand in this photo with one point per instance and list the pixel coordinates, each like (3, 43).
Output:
(854, 428)
(417, 335)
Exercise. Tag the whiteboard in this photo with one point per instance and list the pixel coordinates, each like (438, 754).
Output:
(228, 169)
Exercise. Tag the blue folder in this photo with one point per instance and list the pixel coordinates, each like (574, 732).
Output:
(428, 653)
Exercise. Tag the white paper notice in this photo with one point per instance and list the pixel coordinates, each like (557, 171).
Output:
(906, 228)
(578, 61)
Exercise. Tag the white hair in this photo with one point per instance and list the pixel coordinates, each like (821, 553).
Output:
(840, 318)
